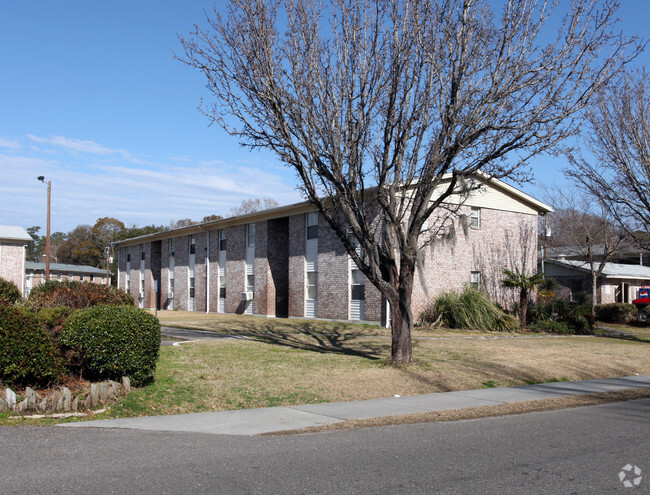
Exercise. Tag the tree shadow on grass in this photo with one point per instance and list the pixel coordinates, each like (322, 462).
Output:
(334, 339)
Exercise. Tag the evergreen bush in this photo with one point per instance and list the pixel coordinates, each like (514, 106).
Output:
(9, 293)
(108, 342)
(28, 356)
(77, 295)
(616, 312)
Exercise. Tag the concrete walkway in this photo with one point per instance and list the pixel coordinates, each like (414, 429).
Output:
(267, 420)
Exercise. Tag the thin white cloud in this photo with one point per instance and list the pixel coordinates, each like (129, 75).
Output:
(84, 146)
(12, 144)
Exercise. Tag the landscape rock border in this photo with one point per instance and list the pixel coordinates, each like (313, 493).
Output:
(62, 400)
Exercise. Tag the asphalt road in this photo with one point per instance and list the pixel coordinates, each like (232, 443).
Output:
(571, 451)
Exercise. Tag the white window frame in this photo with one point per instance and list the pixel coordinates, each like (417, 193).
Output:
(475, 217)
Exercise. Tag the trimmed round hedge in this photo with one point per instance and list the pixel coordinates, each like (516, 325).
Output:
(109, 342)
(9, 292)
(28, 356)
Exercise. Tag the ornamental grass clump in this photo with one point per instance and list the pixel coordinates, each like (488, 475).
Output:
(108, 342)
(470, 309)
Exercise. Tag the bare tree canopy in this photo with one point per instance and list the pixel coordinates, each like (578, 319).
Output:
(618, 175)
(252, 205)
(366, 97)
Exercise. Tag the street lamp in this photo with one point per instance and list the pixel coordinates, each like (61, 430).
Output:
(47, 238)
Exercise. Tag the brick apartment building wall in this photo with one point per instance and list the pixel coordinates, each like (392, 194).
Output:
(235, 268)
(12, 263)
(333, 275)
(503, 240)
(297, 266)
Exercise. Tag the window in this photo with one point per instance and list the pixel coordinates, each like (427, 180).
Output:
(171, 247)
(192, 244)
(222, 240)
(222, 287)
(475, 280)
(191, 286)
(357, 286)
(312, 225)
(475, 218)
(250, 235)
(81, 277)
(312, 285)
(128, 258)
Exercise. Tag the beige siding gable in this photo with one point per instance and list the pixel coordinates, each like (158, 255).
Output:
(496, 199)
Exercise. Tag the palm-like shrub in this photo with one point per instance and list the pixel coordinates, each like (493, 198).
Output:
(470, 309)
(525, 284)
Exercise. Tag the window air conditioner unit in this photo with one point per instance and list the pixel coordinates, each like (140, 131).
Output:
(170, 295)
(247, 296)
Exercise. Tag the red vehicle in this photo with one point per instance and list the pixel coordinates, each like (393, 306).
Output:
(642, 302)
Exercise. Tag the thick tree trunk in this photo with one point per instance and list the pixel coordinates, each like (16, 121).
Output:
(594, 292)
(402, 317)
(523, 308)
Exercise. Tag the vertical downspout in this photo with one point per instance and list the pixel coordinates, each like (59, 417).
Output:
(207, 275)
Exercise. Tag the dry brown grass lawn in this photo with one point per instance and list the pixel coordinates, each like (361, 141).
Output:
(302, 361)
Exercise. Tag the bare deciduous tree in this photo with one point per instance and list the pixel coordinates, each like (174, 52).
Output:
(394, 106)
(252, 205)
(618, 174)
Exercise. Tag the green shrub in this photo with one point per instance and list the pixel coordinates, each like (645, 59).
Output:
(9, 293)
(27, 354)
(616, 312)
(470, 310)
(77, 295)
(109, 342)
(53, 319)
(551, 326)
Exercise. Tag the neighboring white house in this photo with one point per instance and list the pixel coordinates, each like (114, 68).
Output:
(618, 283)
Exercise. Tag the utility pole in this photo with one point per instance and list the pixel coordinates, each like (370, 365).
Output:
(47, 238)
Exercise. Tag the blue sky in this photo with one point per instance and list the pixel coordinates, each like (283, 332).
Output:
(91, 98)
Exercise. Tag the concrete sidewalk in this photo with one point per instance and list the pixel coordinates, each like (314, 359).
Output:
(267, 420)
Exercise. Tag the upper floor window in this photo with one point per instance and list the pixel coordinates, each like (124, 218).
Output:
(171, 247)
(475, 218)
(222, 240)
(312, 225)
(192, 244)
(250, 235)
